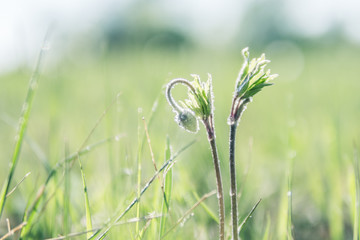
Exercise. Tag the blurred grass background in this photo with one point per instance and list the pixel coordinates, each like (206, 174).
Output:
(310, 117)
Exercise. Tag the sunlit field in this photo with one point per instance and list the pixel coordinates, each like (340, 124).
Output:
(296, 147)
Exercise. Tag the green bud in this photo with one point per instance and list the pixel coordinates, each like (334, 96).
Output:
(187, 120)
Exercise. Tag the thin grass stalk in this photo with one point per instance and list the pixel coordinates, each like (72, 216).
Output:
(289, 195)
(207, 209)
(141, 141)
(203, 198)
(87, 202)
(167, 191)
(18, 184)
(153, 159)
(140, 147)
(66, 197)
(23, 122)
(248, 216)
(357, 196)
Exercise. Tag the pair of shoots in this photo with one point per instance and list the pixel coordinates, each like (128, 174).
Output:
(199, 106)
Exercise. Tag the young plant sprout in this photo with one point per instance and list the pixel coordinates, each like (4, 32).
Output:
(251, 80)
(199, 105)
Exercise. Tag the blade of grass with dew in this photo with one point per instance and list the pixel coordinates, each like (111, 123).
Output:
(357, 196)
(167, 191)
(206, 208)
(87, 203)
(203, 198)
(113, 222)
(241, 226)
(23, 122)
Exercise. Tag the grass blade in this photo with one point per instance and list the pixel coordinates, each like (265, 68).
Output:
(139, 157)
(284, 230)
(23, 122)
(248, 216)
(18, 184)
(289, 195)
(87, 204)
(167, 191)
(357, 196)
(207, 209)
(141, 141)
(66, 214)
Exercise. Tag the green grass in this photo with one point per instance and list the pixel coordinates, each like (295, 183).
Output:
(315, 116)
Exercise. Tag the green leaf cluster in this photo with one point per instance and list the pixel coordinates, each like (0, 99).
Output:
(252, 77)
(200, 98)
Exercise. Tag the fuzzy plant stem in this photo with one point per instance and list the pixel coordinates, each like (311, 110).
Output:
(233, 187)
(220, 191)
(238, 107)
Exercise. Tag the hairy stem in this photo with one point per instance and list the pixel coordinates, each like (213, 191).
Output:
(237, 109)
(170, 85)
(233, 188)
(220, 192)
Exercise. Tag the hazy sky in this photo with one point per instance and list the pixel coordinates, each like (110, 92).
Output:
(23, 23)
